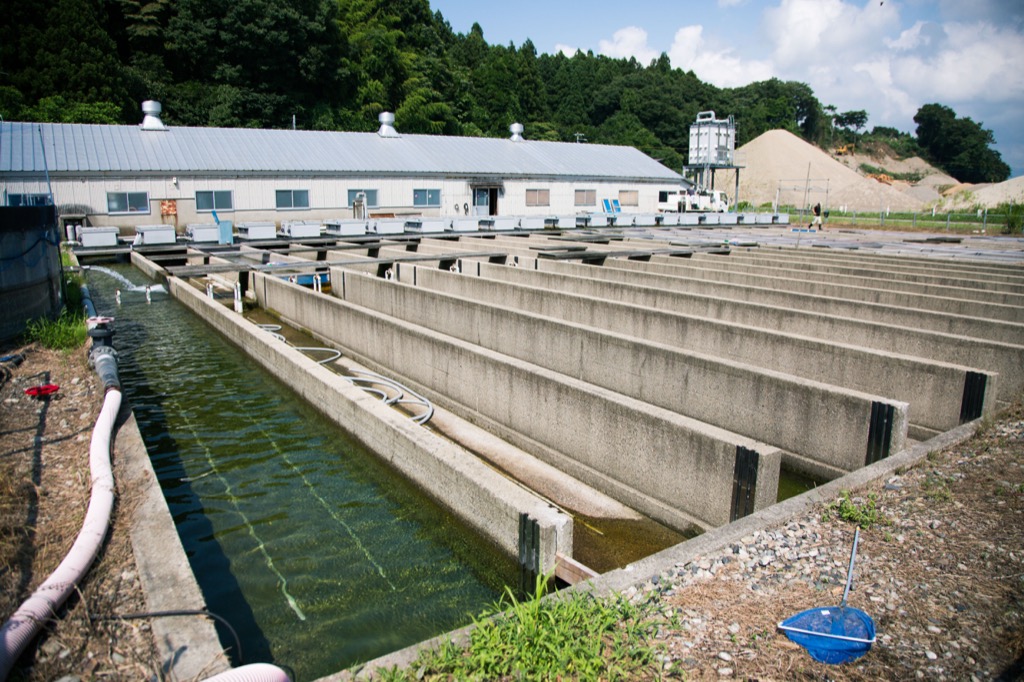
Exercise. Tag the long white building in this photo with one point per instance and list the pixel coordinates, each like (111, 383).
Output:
(127, 176)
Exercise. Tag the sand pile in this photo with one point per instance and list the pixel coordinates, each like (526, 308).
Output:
(987, 196)
(779, 162)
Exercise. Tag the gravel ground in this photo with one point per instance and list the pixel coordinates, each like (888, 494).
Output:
(940, 571)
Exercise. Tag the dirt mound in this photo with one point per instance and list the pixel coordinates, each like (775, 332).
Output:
(778, 164)
(986, 195)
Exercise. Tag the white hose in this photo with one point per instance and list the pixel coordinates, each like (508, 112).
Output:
(30, 617)
(254, 672)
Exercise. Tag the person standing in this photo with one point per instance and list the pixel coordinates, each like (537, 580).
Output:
(817, 218)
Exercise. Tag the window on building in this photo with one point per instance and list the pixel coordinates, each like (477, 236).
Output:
(663, 196)
(371, 197)
(214, 201)
(629, 197)
(127, 202)
(292, 198)
(426, 197)
(538, 197)
(586, 197)
(28, 199)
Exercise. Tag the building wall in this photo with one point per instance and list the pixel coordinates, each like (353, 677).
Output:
(254, 198)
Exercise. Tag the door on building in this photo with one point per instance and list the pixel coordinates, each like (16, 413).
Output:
(485, 201)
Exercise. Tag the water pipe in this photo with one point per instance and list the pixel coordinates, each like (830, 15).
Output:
(30, 617)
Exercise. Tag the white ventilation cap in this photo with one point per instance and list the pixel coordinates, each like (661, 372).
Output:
(387, 125)
(517, 132)
(151, 119)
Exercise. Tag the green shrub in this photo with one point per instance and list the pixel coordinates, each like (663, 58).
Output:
(1014, 213)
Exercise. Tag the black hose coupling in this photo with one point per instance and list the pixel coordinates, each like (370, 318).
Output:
(104, 360)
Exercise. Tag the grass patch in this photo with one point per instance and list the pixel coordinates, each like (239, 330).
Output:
(67, 332)
(862, 511)
(911, 177)
(567, 636)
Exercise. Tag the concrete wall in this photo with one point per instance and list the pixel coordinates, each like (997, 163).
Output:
(819, 422)
(870, 278)
(956, 301)
(701, 276)
(677, 470)
(482, 498)
(934, 389)
(1006, 359)
(963, 318)
(982, 279)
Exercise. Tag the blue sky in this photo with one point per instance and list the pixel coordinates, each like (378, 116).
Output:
(887, 57)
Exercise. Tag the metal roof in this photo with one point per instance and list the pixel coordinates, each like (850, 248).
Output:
(108, 149)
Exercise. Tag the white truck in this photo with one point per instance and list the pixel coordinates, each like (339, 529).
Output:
(693, 200)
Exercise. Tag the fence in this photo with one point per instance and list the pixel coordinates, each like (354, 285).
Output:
(977, 222)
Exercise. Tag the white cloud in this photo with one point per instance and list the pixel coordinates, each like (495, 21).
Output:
(976, 61)
(627, 42)
(886, 58)
(826, 31)
(567, 50)
(720, 67)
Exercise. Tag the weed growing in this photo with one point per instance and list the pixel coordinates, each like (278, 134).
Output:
(569, 636)
(862, 511)
(66, 333)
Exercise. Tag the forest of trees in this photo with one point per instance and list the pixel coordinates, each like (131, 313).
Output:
(336, 64)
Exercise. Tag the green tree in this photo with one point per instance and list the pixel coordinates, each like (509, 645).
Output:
(60, 48)
(262, 60)
(852, 119)
(959, 146)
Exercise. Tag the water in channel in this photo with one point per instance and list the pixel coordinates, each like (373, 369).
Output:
(316, 552)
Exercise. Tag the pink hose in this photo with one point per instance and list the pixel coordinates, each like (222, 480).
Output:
(30, 617)
(254, 672)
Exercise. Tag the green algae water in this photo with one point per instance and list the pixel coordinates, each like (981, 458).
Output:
(316, 552)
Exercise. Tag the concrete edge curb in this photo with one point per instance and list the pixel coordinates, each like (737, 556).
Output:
(188, 646)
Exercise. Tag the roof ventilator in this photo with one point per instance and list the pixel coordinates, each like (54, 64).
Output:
(517, 132)
(387, 125)
(151, 119)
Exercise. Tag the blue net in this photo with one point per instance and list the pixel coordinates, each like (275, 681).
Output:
(832, 634)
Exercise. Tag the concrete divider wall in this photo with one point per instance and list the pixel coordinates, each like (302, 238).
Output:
(973, 268)
(482, 498)
(975, 278)
(677, 470)
(821, 423)
(626, 286)
(931, 284)
(1005, 359)
(900, 317)
(947, 303)
(935, 390)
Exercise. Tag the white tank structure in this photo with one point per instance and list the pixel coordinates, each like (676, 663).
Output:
(712, 147)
